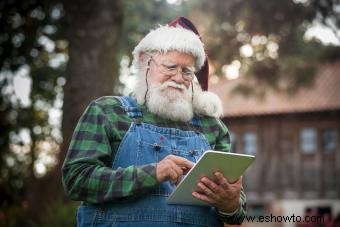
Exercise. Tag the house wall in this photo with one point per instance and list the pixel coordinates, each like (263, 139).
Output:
(281, 171)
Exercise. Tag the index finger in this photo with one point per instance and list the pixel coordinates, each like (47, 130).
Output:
(182, 162)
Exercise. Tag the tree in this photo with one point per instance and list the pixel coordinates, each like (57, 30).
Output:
(39, 37)
(328, 13)
(27, 29)
(265, 40)
(93, 31)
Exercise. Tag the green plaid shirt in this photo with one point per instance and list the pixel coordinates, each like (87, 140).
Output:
(87, 172)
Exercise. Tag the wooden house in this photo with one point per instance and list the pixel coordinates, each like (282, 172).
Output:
(295, 138)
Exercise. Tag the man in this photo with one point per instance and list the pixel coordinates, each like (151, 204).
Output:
(128, 154)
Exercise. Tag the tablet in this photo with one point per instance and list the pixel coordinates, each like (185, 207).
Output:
(232, 166)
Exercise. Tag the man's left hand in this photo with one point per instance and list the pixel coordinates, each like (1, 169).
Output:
(220, 193)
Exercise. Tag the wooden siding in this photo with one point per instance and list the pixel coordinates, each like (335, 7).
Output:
(281, 170)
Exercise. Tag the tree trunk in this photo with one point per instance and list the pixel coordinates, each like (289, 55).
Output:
(93, 30)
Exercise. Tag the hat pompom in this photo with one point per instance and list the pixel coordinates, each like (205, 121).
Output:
(207, 103)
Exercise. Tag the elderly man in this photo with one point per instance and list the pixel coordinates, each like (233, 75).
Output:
(128, 154)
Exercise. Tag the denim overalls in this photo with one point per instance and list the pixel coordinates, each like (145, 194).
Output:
(145, 144)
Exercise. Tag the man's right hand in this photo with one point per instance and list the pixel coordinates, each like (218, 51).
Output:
(172, 168)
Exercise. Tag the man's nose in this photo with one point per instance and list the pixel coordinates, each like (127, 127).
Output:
(178, 77)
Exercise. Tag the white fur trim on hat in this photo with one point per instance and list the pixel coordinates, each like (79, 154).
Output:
(167, 38)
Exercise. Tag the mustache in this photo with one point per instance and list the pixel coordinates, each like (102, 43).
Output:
(171, 84)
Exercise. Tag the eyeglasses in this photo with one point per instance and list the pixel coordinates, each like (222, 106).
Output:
(172, 70)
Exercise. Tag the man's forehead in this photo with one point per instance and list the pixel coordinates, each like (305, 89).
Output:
(176, 57)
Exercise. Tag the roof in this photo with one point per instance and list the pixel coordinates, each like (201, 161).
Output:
(323, 95)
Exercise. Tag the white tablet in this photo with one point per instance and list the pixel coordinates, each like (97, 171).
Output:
(232, 166)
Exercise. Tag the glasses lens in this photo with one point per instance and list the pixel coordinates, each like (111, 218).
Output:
(169, 70)
(172, 70)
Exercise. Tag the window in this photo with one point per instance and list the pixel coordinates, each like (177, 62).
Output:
(250, 143)
(308, 140)
(329, 137)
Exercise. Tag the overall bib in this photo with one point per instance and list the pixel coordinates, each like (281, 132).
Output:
(144, 144)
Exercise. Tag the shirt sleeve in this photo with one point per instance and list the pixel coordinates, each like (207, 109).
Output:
(87, 173)
(223, 138)
(223, 144)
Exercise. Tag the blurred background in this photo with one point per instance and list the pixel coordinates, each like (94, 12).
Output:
(275, 65)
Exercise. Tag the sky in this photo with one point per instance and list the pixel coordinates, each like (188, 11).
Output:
(325, 35)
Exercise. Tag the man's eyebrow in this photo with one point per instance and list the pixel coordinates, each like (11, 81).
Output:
(169, 62)
(191, 68)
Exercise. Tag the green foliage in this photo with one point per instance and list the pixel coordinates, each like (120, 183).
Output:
(144, 15)
(58, 214)
(17, 216)
(274, 30)
(30, 38)
(330, 53)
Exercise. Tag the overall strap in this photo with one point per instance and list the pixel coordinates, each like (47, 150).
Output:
(130, 106)
(196, 121)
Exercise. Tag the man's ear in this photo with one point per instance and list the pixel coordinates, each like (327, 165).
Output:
(143, 58)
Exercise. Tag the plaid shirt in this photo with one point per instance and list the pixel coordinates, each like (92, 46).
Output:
(87, 172)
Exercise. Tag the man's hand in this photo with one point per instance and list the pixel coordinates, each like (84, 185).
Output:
(221, 194)
(172, 168)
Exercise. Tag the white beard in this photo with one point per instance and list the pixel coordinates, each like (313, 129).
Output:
(175, 105)
(170, 103)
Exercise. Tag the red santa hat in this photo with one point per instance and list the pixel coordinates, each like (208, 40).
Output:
(179, 35)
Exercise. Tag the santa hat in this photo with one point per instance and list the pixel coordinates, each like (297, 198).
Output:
(180, 35)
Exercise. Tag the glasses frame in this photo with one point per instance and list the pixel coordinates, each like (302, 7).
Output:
(173, 71)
